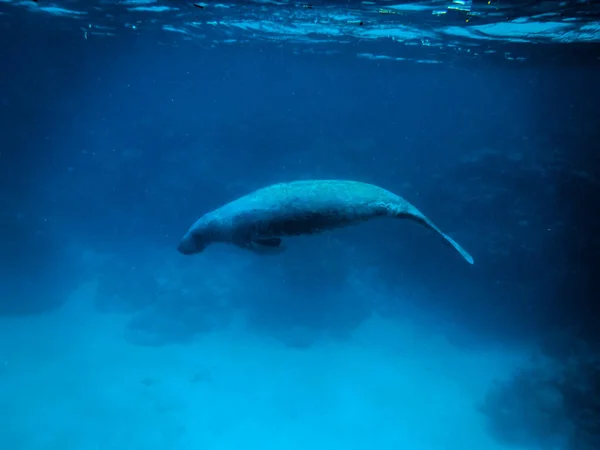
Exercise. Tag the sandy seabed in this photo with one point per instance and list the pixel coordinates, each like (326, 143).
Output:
(70, 381)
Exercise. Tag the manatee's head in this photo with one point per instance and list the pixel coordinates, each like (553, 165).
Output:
(195, 240)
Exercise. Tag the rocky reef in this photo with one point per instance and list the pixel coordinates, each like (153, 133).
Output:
(553, 402)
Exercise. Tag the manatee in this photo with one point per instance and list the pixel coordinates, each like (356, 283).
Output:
(258, 221)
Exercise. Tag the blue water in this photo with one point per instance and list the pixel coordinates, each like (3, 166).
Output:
(119, 129)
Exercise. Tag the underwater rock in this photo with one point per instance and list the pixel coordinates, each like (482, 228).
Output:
(525, 411)
(176, 317)
(555, 402)
(125, 288)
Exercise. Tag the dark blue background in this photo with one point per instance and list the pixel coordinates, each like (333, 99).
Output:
(122, 142)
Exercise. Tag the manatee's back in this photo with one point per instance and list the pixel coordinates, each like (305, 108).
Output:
(307, 196)
(317, 194)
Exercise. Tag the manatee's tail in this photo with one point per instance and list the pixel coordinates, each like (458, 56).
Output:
(419, 217)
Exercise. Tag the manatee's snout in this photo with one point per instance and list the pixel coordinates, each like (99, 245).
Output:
(190, 244)
(184, 247)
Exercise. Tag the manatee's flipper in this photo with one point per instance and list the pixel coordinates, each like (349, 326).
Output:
(269, 242)
(419, 217)
(260, 246)
(266, 246)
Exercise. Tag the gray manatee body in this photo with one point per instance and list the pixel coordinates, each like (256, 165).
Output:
(259, 220)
